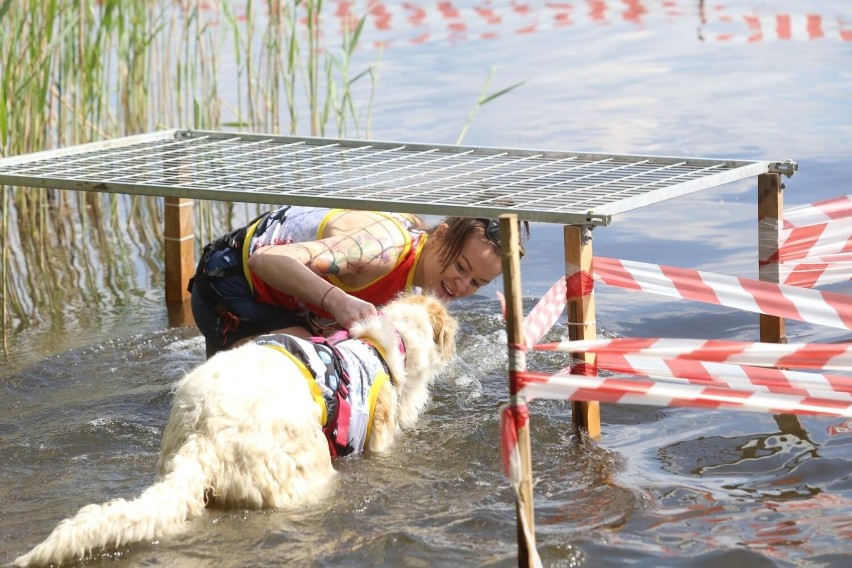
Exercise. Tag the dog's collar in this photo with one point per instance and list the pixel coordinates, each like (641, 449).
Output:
(343, 335)
(400, 342)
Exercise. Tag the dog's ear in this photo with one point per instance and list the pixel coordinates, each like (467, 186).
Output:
(444, 327)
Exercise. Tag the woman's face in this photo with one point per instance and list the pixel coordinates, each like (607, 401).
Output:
(477, 265)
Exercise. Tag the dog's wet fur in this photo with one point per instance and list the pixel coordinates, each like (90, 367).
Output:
(245, 430)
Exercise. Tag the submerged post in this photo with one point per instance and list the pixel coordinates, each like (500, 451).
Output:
(179, 247)
(509, 253)
(581, 317)
(770, 217)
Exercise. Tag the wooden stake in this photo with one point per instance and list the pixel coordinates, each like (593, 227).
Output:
(515, 332)
(179, 247)
(770, 218)
(581, 315)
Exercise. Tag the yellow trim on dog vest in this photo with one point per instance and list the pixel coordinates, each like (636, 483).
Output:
(375, 345)
(379, 381)
(316, 393)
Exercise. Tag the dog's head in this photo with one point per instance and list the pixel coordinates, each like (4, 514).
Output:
(428, 332)
(444, 326)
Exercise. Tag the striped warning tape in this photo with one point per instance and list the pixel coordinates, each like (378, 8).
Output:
(816, 272)
(545, 313)
(753, 27)
(815, 245)
(825, 356)
(513, 417)
(632, 390)
(813, 306)
(729, 376)
(823, 211)
(418, 22)
(817, 240)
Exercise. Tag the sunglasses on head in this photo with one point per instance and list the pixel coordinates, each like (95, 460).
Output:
(492, 233)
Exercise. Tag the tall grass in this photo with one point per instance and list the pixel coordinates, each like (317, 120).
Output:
(75, 71)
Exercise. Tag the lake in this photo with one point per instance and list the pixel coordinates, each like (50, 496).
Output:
(83, 405)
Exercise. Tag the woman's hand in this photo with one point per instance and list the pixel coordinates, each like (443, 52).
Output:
(345, 309)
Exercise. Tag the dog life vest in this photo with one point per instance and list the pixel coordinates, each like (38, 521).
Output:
(345, 376)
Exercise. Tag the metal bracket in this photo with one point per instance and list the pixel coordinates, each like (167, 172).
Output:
(787, 168)
(587, 234)
(595, 219)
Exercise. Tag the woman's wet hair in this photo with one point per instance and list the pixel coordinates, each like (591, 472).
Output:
(460, 229)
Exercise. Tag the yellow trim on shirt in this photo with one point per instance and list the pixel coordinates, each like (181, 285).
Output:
(246, 249)
(325, 221)
(316, 393)
(409, 283)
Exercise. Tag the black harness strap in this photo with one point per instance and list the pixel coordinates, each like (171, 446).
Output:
(336, 427)
(235, 241)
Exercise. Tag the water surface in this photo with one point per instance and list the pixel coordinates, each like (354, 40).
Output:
(83, 406)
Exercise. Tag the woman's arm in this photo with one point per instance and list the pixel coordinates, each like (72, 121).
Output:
(362, 246)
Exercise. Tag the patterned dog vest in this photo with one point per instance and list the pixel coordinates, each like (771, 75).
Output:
(345, 376)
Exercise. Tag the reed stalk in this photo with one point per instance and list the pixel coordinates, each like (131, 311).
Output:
(483, 99)
(76, 71)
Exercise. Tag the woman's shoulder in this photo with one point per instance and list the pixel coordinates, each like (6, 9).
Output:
(378, 224)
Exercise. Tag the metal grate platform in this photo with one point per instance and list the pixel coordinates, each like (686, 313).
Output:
(559, 187)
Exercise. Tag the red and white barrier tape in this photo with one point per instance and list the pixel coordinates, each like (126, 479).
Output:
(815, 272)
(545, 313)
(512, 418)
(814, 247)
(726, 375)
(812, 241)
(631, 390)
(726, 23)
(825, 356)
(825, 211)
(812, 306)
(844, 427)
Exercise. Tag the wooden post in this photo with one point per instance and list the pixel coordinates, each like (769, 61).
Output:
(770, 217)
(517, 363)
(179, 247)
(581, 315)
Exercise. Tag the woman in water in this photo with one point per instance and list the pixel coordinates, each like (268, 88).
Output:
(311, 267)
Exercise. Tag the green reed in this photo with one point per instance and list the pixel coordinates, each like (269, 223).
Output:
(76, 71)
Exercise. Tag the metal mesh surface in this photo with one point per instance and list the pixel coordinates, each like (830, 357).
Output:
(561, 187)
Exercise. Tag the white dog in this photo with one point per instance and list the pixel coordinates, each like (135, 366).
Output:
(247, 427)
